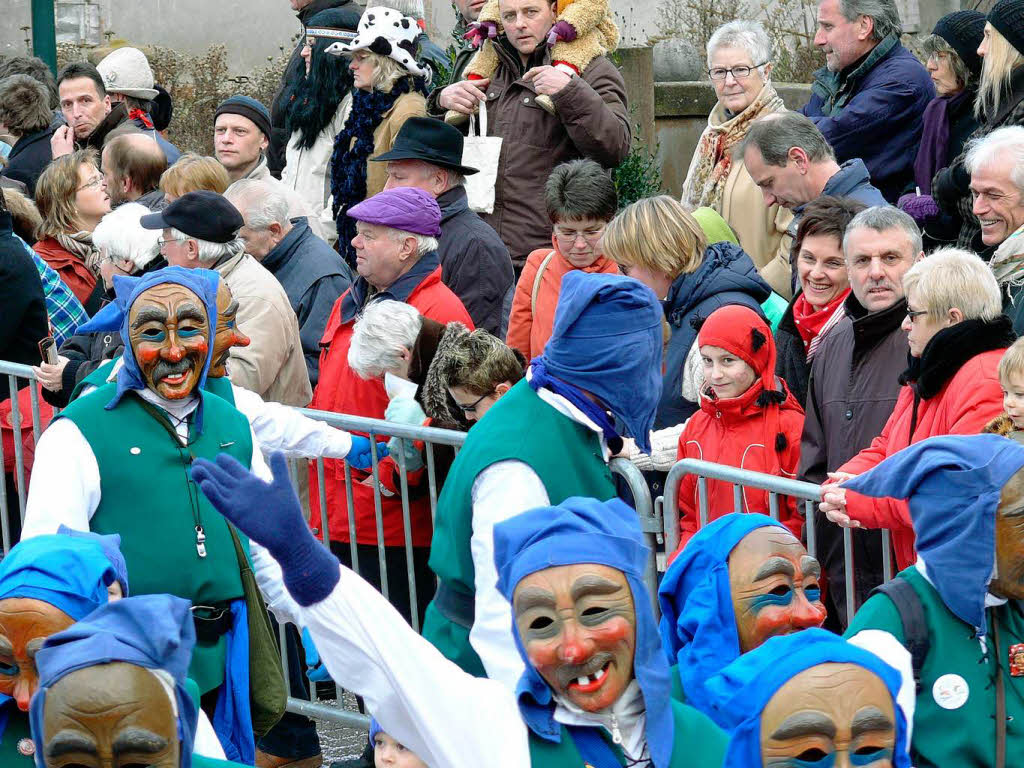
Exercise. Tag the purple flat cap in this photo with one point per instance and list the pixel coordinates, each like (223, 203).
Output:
(407, 208)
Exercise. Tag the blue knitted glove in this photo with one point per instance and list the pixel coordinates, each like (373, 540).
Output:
(359, 454)
(270, 514)
(315, 669)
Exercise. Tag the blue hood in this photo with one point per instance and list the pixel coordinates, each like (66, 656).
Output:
(111, 544)
(743, 689)
(581, 530)
(114, 317)
(698, 623)
(726, 267)
(952, 485)
(151, 631)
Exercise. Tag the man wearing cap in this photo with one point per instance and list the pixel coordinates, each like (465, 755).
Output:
(396, 258)
(600, 372)
(241, 135)
(116, 461)
(128, 79)
(474, 262)
(201, 230)
(958, 608)
(594, 683)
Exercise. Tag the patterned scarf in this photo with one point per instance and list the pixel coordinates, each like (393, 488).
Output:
(80, 244)
(712, 162)
(348, 162)
(1008, 261)
(814, 324)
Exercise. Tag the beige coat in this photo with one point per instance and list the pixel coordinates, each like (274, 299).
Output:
(760, 229)
(272, 365)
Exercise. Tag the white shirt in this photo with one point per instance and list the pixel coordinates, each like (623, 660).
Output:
(502, 491)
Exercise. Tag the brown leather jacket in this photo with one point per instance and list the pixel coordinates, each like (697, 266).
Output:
(592, 121)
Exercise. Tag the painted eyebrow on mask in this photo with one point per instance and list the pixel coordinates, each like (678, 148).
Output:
(148, 315)
(805, 724)
(69, 742)
(190, 312)
(593, 585)
(775, 566)
(138, 740)
(869, 720)
(810, 566)
(534, 597)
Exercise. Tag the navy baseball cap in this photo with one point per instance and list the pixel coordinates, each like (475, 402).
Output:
(203, 215)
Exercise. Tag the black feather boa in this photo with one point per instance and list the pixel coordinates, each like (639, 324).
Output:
(348, 162)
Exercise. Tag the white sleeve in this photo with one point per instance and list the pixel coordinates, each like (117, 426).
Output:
(444, 715)
(206, 743)
(65, 485)
(494, 500)
(281, 428)
(271, 583)
(890, 650)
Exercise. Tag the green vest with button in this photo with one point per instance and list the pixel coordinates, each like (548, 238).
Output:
(16, 747)
(961, 730)
(521, 427)
(699, 743)
(148, 497)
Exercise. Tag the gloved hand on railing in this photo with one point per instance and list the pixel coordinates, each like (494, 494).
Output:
(270, 515)
(315, 669)
(359, 454)
(405, 410)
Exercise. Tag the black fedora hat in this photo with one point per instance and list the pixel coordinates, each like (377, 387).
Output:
(432, 141)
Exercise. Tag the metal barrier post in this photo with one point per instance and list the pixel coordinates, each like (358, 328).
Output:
(650, 524)
(410, 564)
(19, 449)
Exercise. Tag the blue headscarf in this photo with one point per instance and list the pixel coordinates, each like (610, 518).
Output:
(69, 573)
(114, 317)
(698, 623)
(581, 530)
(952, 484)
(111, 544)
(151, 631)
(742, 690)
(606, 340)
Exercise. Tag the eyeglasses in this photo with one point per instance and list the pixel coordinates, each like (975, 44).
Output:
(913, 314)
(471, 408)
(738, 73)
(96, 182)
(164, 241)
(570, 235)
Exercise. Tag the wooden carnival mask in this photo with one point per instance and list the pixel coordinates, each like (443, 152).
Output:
(227, 334)
(775, 586)
(1009, 580)
(24, 624)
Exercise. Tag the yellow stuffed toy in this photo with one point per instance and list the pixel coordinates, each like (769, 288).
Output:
(583, 30)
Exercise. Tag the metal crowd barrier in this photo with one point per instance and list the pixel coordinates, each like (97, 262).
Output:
(776, 486)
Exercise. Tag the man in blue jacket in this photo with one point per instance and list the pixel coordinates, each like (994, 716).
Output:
(871, 87)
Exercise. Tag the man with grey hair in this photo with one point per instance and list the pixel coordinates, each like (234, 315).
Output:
(854, 383)
(200, 229)
(869, 98)
(311, 272)
(996, 165)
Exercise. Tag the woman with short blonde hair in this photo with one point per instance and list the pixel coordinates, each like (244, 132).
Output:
(72, 198)
(388, 90)
(193, 172)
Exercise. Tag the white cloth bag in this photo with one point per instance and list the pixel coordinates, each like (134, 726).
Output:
(481, 151)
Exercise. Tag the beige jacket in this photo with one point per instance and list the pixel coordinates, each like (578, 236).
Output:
(760, 229)
(272, 365)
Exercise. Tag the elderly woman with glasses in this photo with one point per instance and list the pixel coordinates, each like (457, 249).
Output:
(739, 65)
(72, 198)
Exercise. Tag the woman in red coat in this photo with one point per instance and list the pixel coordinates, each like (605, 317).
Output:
(957, 335)
(748, 419)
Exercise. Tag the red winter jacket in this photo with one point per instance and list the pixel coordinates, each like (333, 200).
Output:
(963, 406)
(340, 390)
(732, 432)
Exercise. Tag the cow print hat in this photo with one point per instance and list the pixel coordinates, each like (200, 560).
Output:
(386, 32)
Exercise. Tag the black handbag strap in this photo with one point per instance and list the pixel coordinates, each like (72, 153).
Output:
(915, 628)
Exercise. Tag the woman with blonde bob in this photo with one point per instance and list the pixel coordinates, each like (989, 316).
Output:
(999, 103)
(388, 90)
(72, 198)
(739, 65)
(659, 243)
(191, 173)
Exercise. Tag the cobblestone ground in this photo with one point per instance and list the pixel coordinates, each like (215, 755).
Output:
(337, 742)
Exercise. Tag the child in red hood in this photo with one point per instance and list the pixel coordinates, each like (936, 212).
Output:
(748, 418)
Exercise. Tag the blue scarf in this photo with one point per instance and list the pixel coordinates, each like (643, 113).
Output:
(539, 377)
(150, 631)
(348, 161)
(232, 717)
(952, 485)
(114, 317)
(581, 530)
(698, 622)
(741, 691)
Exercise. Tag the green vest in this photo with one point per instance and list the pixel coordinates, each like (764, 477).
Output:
(147, 496)
(699, 743)
(520, 426)
(220, 386)
(964, 736)
(15, 734)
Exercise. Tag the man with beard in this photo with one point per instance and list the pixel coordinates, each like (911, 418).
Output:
(595, 683)
(129, 445)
